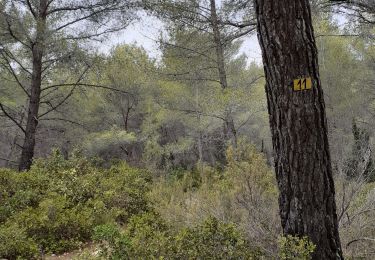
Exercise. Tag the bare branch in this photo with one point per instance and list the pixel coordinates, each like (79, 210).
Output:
(14, 74)
(12, 118)
(65, 120)
(53, 108)
(31, 8)
(360, 239)
(86, 85)
(9, 161)
(12, 33)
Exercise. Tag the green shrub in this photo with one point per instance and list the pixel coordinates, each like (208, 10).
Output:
(57, 204)
(57, 226)
(15, 243)
(295, 248)
(244, 193)
(213, 240)
(19, 191)
(113, 245)
(125, 193)
(148, 237)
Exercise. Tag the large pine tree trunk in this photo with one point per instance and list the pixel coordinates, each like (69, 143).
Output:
(28, 147)
(298, 125)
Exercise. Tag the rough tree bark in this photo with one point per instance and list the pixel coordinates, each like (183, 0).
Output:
(27, 153)
(298, 125)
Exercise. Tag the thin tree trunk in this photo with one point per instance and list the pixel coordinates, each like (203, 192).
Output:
(27, 153)
(218, 45)
(200, 144)
(230, 132)
(125, 117)
(298, 125)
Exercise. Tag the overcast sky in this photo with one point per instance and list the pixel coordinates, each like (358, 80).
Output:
(145, 32)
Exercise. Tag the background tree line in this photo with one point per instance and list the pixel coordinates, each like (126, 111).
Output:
(200, 93)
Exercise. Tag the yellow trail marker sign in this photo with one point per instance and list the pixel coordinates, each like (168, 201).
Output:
(302, 84)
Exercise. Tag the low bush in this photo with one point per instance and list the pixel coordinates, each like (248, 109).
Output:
(295, 248)
(213, 240)
(113, 245)
(60, 204)
(147, 236)
(244, 193)
(16, 243)
(55, 206)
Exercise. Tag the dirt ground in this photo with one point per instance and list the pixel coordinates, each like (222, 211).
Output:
(70, 255)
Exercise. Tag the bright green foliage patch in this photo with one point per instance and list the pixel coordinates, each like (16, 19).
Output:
(112, 243)
(56, 205)
(15, 242)
(295, 248)
(149, 237)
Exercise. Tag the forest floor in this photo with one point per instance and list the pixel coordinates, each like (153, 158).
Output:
(88, 248)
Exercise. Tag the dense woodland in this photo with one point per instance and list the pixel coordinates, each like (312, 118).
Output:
(124, 155)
